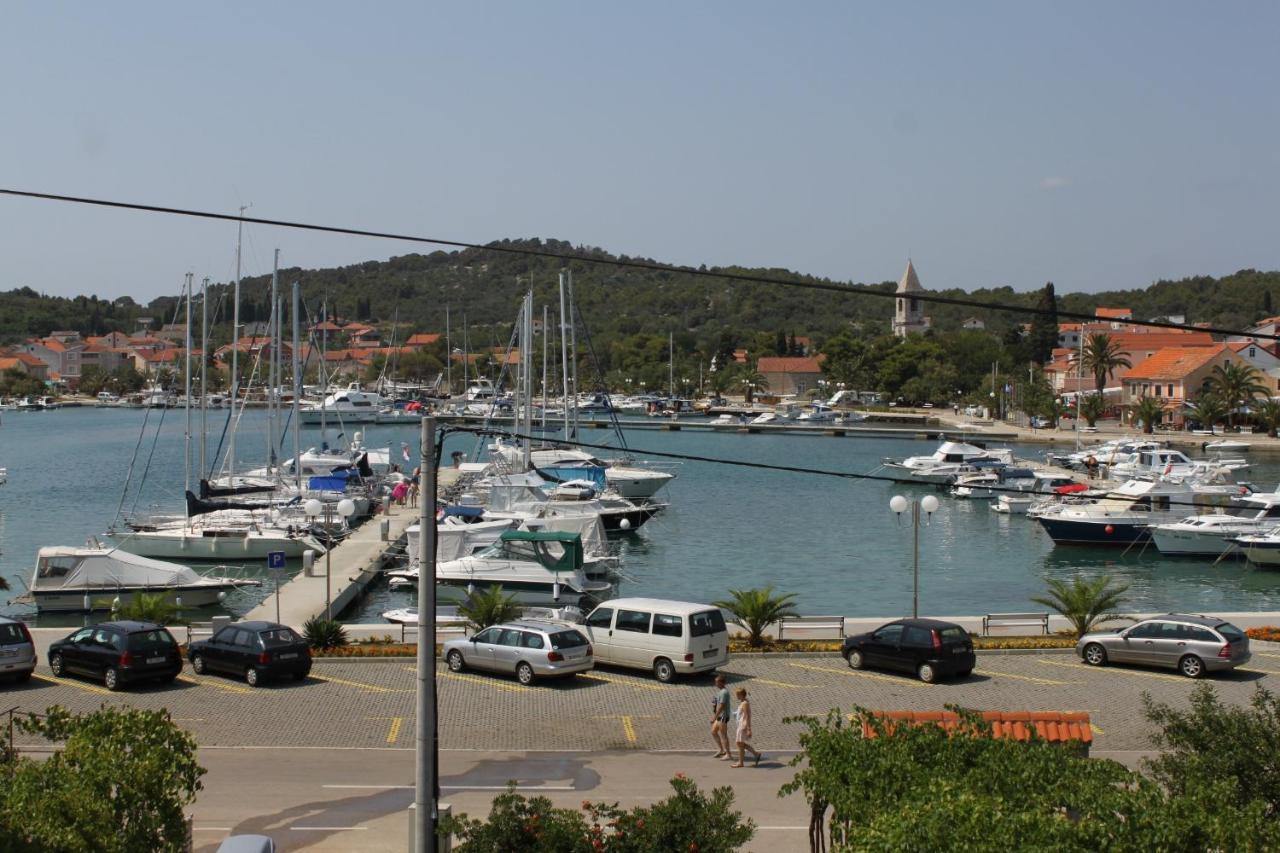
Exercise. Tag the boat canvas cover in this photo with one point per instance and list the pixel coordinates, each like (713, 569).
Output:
(593, 474)
(80, 568)
(546, 544)
(589, 528)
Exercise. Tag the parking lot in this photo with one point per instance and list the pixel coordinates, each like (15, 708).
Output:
(370, 703)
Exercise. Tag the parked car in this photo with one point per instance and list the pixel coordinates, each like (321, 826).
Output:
(668, 638)
(529, 648)
(247, 844)
(930, 648)
(1193, 645)
(254, 651)
(119, 653)
(17, 651)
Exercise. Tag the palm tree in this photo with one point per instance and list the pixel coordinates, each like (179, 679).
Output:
(1102, 355)
(1148, 412)
(1268, 412)
(756, 609)
(1237, 385)
(482, 609)
(146, 607)
(1085, 602)
(752, 381)
(1208, 409)
(1092, 407)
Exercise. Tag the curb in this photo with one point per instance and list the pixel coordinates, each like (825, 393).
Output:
(738, 655)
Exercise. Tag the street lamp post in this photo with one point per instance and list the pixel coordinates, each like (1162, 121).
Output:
(315, 509)
(899, 505)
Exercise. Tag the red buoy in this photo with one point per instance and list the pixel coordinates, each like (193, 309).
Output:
(1109, 529)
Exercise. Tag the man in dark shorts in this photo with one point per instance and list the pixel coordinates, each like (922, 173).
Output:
(720, 719)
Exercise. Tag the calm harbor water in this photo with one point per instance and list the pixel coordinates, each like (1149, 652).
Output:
(834, 542)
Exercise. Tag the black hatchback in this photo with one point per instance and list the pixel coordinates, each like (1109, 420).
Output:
(254, 651)
(119, 653)
(927, 647)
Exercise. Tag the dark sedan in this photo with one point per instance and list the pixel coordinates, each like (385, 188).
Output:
(254, 651)
(118, 653)
(927, 647)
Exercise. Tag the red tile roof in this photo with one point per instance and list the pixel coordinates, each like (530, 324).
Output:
(1174, 362)
(1114, 313)
(788, 364)
(1052, 726)
(422, 340)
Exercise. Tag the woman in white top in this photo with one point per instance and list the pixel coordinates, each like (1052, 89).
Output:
(743, 735)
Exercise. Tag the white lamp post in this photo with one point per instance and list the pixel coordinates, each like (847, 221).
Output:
(315, 509)
(928, 504)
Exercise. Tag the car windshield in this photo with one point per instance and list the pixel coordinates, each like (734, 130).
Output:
(144, 641)
(11, 634)
(567, 640)
(277, 637)
(1230, 632)
(707, 622)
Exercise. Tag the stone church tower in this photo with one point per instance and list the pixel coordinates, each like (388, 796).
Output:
(908, 315)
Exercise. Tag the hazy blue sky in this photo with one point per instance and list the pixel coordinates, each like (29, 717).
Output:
(1097, 145)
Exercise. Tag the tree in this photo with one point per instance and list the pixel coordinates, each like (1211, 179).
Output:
(1044, 326)
(1237, 385)
(1085, 603)
(756, 609)
(321, 633)
(1268, 414)
(1148, 411)
(148, 607)
(1207, 410)
(120, 783)
(1102, 355)
(1092, 407)
(488, 607)
(751, 381)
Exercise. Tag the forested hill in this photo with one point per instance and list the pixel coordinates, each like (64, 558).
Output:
(485, 287)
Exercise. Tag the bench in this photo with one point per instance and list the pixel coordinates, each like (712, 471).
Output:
(812, 623)
(1015, 620)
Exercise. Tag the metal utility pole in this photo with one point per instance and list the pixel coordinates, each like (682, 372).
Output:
(273, 381)
(564, 358)
(204, 373)
(426, 782)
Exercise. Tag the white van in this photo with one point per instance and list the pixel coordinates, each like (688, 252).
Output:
(667, 637)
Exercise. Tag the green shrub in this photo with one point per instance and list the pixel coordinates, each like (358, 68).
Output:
(321, 633)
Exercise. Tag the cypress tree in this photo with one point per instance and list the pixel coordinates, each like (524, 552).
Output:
(1044, 326)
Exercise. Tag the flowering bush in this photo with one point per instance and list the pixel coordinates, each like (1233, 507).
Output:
(689, 820)
(1267, 633)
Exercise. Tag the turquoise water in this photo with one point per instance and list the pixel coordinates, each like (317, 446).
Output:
(833, 542)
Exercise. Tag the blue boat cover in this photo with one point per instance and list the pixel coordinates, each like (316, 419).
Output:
(593, 474)
(464, 511)
(331, 483)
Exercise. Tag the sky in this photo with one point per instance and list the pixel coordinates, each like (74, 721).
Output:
(1095, 145)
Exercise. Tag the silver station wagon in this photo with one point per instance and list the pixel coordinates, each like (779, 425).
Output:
(527, 648)
(1193, 645)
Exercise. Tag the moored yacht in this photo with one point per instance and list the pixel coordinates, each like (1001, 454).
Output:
(1125, 515)
(350, 405)
(945, 462)
(1209, 535)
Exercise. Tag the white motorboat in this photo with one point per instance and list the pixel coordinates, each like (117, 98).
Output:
(456, 538)
(818, 413)
(1209, 535)
(1262, 549)
(1125, 515)
(1043, 485)
(726, 419)
(976, 486)
(215, 536)
(1227, 445)
(945, 462)
(631, 481)
(1164, 462)
(349, 406)
(69, 579)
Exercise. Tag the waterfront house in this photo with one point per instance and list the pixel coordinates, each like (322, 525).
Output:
(789, 375)
(421, 340)
(1176, 376)
(24, 362)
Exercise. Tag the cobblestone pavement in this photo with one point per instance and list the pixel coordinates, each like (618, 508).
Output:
(371, 703)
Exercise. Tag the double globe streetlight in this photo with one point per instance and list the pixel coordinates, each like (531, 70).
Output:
(928, 505)
(315, 509)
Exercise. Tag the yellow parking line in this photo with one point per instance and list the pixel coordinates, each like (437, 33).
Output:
(71, 682)
(1030, 678)
(210, 682)
(1266, 655)
(360, 685)
(638, 685)
(777, 683)
(497, 685)
(1078, 666)
(904, 681)
(628, 727)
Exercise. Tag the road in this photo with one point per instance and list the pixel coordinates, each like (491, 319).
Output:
(326, 764)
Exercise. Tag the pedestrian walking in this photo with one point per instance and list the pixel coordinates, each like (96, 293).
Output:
(743, 732)
(720, 720)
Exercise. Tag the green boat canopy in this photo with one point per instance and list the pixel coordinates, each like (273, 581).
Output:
(544, 544)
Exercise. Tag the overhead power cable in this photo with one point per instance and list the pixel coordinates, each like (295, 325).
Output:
(831, 287)
(768, 466)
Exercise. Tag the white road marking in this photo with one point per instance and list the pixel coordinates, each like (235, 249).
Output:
(327, 828)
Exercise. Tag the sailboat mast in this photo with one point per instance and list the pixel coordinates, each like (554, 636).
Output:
(564, 357)
(671, 367)
(1080, 384)
(235, 350)
(544, 368)
(448, 353)
(573, 353)
(186, 449)
(274, 379)
(204, 372)
(526, 367)
(297, 396)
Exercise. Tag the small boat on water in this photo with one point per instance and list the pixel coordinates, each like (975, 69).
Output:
(350, 406)
(1226, 445)
(1041, 487)
(1125, 515)
(1210, 535)
(945, 462)
(69, 579)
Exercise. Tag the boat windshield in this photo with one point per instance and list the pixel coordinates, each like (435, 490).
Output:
(57, 567)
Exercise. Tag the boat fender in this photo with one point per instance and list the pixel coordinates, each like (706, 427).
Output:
(1109, 529)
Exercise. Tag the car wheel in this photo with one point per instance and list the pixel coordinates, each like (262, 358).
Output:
(856, 661)
(927, 673)
(23, 676)
(965, 674)
(197, 664)
(1095, 655)
(524, 673)
(1191, 666)
(111, 678)
(664, 670)
(55, 664)
(456, 663)
(251, 677)
(301, 676)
